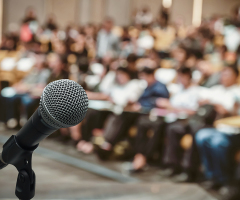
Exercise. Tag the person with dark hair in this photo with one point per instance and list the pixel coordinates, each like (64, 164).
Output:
(180, 55)
(217, 146)
(131, 65)
(118, 88)
(118, 125)
(154, 90)
(224, 95)
(58, 67)
(60, 48)
(29, 25)
(107, 42)
(209, 77)
(26, 93)
(145, 145)
(163, 18)
(129, 45)
(51, 23)
(219, 99)
(185, 101)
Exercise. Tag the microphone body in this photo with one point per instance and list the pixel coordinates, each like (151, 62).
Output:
(34, 131)
(27, 139)
(63, 104)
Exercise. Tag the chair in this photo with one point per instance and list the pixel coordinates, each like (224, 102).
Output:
(3, 54)
(13, 54)
(7, 70)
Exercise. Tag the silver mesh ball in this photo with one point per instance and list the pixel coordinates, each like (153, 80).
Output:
(64, 103)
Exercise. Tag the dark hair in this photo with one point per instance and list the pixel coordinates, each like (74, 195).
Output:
(187, 50)
(83, 64)
(132, 58)
(185, 70)
(206, 33)
(63, 59)
(197, 53)
(147, 70)
(123, 69)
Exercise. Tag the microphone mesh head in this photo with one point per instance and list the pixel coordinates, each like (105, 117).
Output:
(64, 103)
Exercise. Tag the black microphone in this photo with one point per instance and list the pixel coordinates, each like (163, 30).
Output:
(63, 104)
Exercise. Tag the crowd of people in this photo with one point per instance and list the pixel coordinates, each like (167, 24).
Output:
(159, 91)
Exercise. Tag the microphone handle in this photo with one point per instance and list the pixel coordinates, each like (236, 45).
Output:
(33, 131)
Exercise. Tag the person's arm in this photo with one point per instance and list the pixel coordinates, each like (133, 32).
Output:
(21, 87)
(165, 103)
(36, 90)
(159, 91)
(220, 109)
(97, 96)
(184, 110)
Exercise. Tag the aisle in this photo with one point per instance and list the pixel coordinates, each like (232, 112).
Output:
(60, 181)
(56, 180)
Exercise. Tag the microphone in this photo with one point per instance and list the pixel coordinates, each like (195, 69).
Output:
(63, 104)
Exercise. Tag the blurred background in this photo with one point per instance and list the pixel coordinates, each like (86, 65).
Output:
(162, 78)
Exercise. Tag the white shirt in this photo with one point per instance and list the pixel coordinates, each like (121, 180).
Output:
(186, 98)
(121, 94)
(107, 44)
(225, 96)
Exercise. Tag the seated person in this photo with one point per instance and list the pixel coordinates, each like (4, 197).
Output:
(184, 101)
(209, 78)
(146, 145)
(26, 93)
(118, 125)
(217, 149)
(217, 146)
(224, 95)
(58, 66)
(119, 91)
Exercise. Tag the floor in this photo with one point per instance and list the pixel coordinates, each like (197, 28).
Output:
(58, 180)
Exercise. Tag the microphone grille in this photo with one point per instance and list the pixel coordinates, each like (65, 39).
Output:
(64, 103)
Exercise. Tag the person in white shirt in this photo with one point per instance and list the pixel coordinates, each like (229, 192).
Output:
(225, 95)
(117, 88)
(217, 146)
(184, 101)
(108, 44)
(187, 96)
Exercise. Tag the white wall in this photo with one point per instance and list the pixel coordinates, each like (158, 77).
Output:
(64, 10)
(84, 11)
(182, 9)
(221, 7)
(14, 10)
(120, 11)
(154, 5)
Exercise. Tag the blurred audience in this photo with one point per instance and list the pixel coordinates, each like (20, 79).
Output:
(159, 86)
(25, 94)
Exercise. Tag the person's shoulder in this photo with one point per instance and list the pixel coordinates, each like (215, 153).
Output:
(101, 32)
(234, 88)
(158, 83)
(46, 71)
